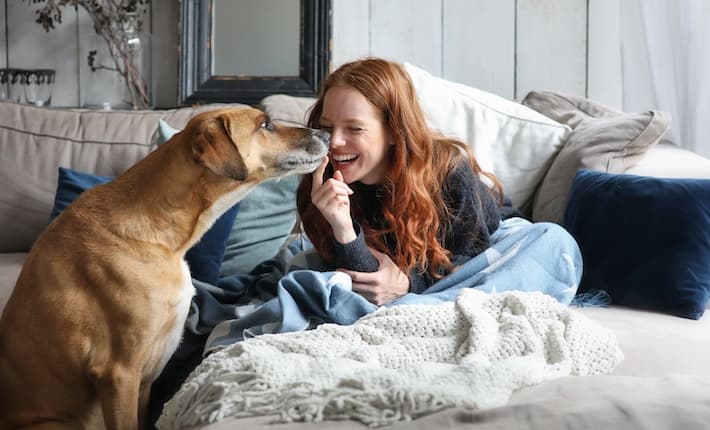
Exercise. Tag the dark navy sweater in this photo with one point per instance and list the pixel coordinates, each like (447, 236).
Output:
(474, 216)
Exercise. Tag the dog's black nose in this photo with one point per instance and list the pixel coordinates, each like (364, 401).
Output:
(322, 135)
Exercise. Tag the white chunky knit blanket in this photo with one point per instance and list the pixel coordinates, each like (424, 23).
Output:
(398, 363)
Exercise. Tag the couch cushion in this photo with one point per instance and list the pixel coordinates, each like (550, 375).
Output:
(666, 160)
(603, 139)
(508, 139)
(10, 267)
(35, 141)
(204, 258)
(644, 240)
(285, 108)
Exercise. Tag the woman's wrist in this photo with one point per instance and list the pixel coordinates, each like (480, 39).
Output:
(344, 236)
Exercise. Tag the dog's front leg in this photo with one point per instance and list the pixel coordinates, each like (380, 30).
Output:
(143, 399)
(118, 393)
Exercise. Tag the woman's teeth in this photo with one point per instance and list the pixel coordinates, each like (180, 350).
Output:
(344, 158)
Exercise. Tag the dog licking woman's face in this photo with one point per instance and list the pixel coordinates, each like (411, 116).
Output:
(359, 143)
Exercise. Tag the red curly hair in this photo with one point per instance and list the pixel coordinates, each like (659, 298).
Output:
(413, 207)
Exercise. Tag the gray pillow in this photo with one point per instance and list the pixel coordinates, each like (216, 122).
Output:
(265, 219)
(282, 107)
(603, 139)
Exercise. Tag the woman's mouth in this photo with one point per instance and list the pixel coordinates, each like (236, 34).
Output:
(340, 160)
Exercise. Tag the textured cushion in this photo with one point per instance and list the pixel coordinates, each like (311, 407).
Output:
(603, 139)
(204, 258)
(35, 141)
(266, 217)
(508, 139)
(667, 160)
(282, 107)
(644, 240)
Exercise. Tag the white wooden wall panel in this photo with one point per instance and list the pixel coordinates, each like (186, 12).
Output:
(604, 80)
(3, 44)
(407, 30)
(29, 46)
(551, 46)
(164, 18)
(350, 31)
(479, 44)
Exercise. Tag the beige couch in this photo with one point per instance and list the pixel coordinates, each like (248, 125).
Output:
(666, 356)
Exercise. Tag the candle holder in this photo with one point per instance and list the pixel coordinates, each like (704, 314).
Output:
(38, 87)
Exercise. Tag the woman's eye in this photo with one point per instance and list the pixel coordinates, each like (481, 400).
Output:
(328, 128)
(356, 129)
(267, 125)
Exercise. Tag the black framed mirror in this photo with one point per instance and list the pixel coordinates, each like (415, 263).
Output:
(198, 82)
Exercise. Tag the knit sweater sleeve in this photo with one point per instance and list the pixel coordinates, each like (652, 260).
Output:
(355, 255)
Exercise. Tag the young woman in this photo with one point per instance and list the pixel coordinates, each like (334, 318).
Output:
(395, 206)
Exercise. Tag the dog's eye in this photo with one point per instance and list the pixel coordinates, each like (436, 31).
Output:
(267, 125)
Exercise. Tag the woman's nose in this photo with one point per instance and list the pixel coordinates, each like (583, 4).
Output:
(336, 138)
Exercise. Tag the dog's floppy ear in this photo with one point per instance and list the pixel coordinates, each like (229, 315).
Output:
(215, 149)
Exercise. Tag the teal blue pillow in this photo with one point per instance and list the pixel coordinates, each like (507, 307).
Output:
(204, 258)
(644, 240)
(266, 217)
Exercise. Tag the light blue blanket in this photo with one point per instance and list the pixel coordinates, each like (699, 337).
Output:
(276, 297)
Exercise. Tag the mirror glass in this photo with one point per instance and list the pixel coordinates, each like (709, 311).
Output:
(256, 38)
(240, 51)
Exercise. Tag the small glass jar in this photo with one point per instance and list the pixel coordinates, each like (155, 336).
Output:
(38, 86)
(17, 79)
(4, 88)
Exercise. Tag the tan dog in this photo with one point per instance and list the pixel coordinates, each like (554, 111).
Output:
(100, 303)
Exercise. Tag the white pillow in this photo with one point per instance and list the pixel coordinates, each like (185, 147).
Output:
(512, 141)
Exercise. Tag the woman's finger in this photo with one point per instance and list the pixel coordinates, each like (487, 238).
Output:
(325, 196)
(338, 178)
(362, 278)
(318, 175)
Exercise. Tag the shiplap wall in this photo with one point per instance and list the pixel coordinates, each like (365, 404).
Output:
(507, 47)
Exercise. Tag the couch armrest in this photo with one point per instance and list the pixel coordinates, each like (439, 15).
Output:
(666, 160)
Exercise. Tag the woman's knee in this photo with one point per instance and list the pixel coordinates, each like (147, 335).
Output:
(562, 237)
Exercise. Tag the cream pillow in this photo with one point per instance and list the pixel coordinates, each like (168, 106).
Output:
(508, 139)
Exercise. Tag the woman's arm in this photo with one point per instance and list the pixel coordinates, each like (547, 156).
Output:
(355, 255)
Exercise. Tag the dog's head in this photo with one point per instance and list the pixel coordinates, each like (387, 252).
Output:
(243, 144)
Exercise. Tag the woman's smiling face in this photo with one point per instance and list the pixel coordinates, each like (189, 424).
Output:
(359, 141)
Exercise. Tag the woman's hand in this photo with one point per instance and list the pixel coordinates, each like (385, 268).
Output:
(384, 285)
(332, 199)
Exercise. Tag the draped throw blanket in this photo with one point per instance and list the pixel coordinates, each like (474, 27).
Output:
(276, 299)
(398, 363)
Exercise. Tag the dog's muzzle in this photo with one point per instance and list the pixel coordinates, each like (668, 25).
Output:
(323, 136)
(314, 149)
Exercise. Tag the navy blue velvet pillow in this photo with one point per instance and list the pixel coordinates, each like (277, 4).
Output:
(644, 240)
(204, 258)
